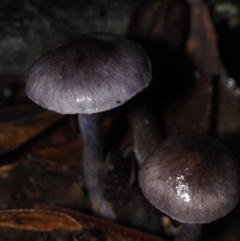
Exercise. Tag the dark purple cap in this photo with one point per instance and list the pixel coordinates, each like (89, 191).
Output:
(96, 72)
(192, 178)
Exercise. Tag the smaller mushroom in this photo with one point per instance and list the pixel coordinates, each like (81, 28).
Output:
(193, 178)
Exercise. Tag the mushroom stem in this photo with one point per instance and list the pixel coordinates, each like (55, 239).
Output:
(92, 159)
(146, 134)
(189, 232)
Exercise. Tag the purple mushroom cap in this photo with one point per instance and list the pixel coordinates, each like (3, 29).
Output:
(191, 177)
(95, 73)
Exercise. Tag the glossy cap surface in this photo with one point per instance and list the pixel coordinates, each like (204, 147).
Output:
(192, 178)
(97, 72)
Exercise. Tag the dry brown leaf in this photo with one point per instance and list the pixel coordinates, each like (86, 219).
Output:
(21, 123)
(40, 181)
(160, 20)
(110, 229)
(192, 112)
(38, 220)
(202, 42)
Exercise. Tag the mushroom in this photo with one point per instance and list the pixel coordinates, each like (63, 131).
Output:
(145, 132)
(95, 73)
(193, 178)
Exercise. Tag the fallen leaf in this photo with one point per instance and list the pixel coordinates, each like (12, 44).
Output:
(191, 112)
(38, 220)
(105, 226)
(19, 124)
